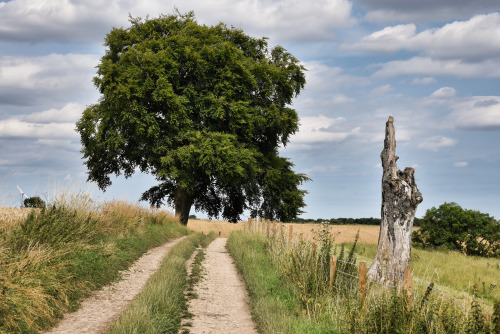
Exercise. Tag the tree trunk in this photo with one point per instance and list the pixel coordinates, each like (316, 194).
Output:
(182, 202)
(400, 198)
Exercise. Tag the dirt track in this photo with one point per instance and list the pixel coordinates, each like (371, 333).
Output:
(221, 306)
(105, 306)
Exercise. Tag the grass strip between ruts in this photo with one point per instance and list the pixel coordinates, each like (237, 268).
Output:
(160, 306)
(275, 309)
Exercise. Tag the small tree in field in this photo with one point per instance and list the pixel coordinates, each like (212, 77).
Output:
(450, 226)
(34, 202)
(204, 109)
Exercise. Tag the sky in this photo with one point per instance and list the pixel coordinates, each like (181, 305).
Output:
(434, 65)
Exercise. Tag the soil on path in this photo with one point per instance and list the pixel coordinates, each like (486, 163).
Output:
(104, 307)
(222, 303)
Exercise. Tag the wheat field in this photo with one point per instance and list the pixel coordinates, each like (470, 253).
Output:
(368, 234)
(11, 216)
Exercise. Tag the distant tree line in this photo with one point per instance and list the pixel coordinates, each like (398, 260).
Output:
(347, 221)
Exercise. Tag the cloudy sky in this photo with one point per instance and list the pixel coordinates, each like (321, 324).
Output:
(434, 65)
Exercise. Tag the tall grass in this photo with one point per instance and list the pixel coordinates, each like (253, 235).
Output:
(302, 267)
(56, 256)
(452, 272)
(275, 307)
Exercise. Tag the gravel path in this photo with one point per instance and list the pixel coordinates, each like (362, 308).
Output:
(221, 306)
(105, 306)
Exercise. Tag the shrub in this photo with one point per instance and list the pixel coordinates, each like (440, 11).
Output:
(450, 226)
(34, 202)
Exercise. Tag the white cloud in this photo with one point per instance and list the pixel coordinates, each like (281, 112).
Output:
(287, 19)
(65, 20)
(444, 93)
(425, 10)
(461, 164)
(423, 81)
(428, 66)
(320, 169)
(54, 71)
(382, 90)
(320, 129)
(21, 129)
(70, 113)
(27, 80)
(476, 39)
(437, 142)
(49, 126)
(341, 99)
(323, 78)
(389, 39)
(477, 112)
(60, 20)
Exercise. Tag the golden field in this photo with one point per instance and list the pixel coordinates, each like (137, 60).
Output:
(13, 213)
(206, 226)
(10, 216)
(368, 234)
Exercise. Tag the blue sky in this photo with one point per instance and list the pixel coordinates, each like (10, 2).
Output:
(434, 65)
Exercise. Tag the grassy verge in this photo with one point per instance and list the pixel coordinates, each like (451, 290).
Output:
(53, 259)
(303, 269)
(275, 308)
(161, 305)
(452, 272)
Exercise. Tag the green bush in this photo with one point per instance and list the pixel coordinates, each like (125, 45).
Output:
(34, 202)
(469, 231)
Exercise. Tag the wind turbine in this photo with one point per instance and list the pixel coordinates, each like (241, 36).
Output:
(22, 194)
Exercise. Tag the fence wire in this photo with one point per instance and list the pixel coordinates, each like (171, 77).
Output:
(396, 273)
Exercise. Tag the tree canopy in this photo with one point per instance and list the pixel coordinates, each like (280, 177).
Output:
(202, 108)
(450, 226)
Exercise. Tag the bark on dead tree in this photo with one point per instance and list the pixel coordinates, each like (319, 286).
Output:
(400, 198)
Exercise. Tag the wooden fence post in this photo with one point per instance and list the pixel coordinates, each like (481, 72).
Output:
(290, 235)
(408, 285)
(249, 225)
(267, 228)
(333, 264)
(362, 284)
(301, 237)
(274, 229)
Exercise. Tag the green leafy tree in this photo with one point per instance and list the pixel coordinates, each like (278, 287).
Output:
(471, 231)
(34, 202)
(204, 109)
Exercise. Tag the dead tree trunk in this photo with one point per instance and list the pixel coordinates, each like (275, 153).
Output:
(400, 198)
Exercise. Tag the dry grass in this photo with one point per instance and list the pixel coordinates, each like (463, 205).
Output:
(50, 260)
(122, 217)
